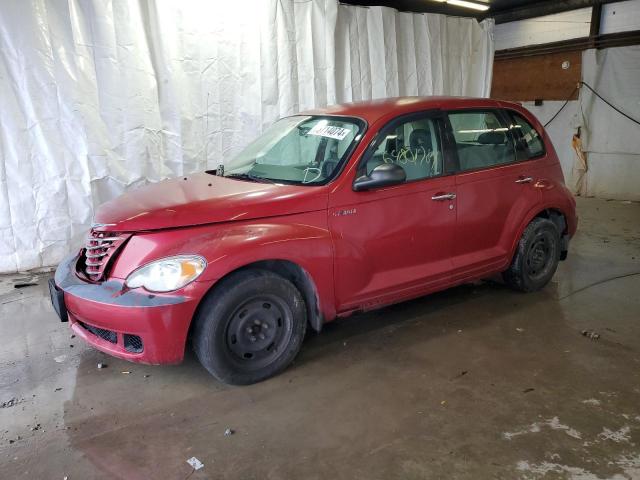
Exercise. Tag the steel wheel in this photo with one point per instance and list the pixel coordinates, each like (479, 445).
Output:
(536, 257)
(249, 327)
(259, 330)
(539, 256)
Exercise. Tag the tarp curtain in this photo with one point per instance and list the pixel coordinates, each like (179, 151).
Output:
(101, 96)
(609, 140)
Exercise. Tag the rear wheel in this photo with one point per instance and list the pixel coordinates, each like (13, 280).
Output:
(250, 327)
(536, 257)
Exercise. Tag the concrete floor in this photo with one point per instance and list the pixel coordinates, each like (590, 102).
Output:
(476, 382)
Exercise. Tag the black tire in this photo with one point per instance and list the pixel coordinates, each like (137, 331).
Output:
(250, 327)
(536, 257)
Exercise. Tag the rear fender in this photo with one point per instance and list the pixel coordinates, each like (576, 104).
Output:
(561, 221)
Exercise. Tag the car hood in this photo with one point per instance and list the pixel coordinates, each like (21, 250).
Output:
(204, 198)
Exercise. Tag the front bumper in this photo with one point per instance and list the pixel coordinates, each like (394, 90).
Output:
(108, 315)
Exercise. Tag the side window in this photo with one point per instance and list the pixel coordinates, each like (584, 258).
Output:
(481, 139)
(529, 136)
(414, 145)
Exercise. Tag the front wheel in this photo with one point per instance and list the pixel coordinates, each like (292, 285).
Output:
(250, 327)
(536, 257)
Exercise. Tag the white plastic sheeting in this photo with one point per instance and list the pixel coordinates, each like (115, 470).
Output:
(98, 97)
(611, 141)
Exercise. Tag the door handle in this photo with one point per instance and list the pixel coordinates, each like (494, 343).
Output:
(443, 196)
(525, 180)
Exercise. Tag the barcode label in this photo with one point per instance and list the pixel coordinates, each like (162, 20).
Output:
(328, 131)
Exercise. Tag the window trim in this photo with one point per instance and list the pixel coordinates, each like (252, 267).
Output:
(500, 115)
(433, 114)
(348, 154)
(509, 113)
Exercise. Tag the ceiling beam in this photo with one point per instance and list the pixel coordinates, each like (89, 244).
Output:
(620, 39)
(596, 15)
(542, 8)
(418, 6)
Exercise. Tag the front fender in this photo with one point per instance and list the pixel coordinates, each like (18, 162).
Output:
(300, 239)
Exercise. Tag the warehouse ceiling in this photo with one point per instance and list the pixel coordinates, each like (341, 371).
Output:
(502, 10)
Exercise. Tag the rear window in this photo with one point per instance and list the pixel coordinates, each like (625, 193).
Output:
(482, 139)
(529, 136)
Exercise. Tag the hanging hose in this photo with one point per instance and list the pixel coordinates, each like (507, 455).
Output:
(581, 83)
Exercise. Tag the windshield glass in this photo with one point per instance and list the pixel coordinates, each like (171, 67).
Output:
(299, 149)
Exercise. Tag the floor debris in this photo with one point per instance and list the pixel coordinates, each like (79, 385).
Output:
(195, 463)
(590, 334)
(228, 432)
(9, 403)
(24, 285)
(102, 365)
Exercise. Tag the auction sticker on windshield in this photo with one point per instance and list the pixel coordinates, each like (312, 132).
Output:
(323, 130)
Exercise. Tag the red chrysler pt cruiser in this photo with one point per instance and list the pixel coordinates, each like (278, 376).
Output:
(329, 212)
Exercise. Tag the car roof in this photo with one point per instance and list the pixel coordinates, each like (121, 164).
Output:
(373, 110)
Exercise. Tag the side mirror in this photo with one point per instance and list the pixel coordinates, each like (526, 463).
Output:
(381, 176)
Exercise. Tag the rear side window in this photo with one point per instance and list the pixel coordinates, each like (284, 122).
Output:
(528, 135)
(482, 139)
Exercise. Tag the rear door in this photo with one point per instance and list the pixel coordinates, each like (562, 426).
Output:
(495, 186)
(395, 242)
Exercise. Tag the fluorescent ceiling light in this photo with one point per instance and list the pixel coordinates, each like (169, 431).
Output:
(465, 4)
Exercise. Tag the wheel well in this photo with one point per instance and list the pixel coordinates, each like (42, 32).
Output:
(560, 221)
(557, 217)
(299, 277)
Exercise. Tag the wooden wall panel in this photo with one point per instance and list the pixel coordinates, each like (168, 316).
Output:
(536, 77)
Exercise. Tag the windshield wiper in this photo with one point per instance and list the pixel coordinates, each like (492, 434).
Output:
(252, 178)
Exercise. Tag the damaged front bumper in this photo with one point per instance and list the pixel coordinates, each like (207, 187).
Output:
(132, 324)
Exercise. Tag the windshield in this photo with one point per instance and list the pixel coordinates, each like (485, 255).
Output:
(299, 149)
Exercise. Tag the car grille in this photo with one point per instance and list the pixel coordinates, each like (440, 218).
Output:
(100, 248)
(107, 335)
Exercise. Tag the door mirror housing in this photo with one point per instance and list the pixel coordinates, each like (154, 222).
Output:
(382, 176)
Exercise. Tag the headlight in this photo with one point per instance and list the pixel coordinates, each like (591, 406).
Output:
(167, 274)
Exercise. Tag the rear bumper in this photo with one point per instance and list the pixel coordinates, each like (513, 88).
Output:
(103, 314)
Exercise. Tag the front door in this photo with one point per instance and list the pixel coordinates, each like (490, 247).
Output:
(394, 243)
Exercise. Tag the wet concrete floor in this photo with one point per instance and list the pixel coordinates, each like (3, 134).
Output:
(475, 382)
